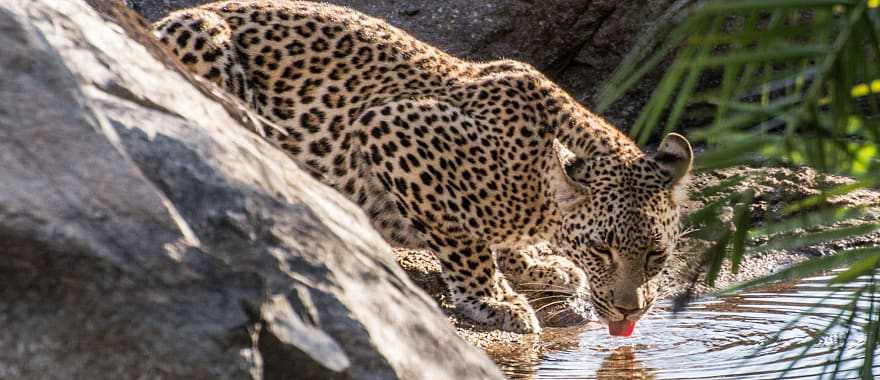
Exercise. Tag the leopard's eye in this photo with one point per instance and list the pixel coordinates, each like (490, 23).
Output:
(604, 252)
(655, 254)
(655, 257)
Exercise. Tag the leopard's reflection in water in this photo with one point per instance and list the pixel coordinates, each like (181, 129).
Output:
(623, 364)
(619, 363)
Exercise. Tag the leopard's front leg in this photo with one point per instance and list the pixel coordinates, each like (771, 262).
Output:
(479, 291)
(556, 287)
(537, 268)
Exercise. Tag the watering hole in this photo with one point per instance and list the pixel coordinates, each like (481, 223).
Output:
(728, 337)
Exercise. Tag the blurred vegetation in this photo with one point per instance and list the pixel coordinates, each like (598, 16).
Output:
(774, 82)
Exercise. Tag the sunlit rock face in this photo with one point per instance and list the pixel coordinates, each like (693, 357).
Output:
(145, 232)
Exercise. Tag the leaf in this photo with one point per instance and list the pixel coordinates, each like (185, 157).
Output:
(723, 186)
(808, 220)
(777, 106)
(687, 89)
(788, 243)
(807, 268)
(740, 151)
(714, 256)
(856, 270)
(871, 330)
(747, 35)
(742, 221)
(849, 327)
(823, 197)
(640, 60)
(778, 53)
(739, 5)
(709, 212)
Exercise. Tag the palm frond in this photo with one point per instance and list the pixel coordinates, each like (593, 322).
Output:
(794, 82)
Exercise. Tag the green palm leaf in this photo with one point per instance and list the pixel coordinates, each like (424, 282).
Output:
(791, 82)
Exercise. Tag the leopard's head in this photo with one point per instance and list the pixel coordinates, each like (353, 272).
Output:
(620, 222)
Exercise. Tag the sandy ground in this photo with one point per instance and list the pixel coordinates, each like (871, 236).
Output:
(773, 187)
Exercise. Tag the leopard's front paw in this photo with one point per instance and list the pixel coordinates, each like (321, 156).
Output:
(515, 314)
(510, 313)
(553, 274)
(557, 290)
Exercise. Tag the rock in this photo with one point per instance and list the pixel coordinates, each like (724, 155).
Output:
(577, 43)
(146, 233)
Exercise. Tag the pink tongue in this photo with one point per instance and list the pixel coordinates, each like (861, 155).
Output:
(621, 328)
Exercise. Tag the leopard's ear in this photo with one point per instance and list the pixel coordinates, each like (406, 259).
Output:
(575, 171)
(570, 183)
(676, 157)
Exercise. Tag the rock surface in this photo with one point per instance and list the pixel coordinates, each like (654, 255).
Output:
(146, 234)
(577, 43)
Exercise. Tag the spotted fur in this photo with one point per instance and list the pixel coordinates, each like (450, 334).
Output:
(456, 156)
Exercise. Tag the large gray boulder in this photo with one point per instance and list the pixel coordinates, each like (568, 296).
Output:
(145, 233)
(577, 43)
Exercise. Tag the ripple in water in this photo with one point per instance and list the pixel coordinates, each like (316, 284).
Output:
(714, 339)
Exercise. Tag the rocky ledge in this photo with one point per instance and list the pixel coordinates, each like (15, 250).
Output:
(146, 232)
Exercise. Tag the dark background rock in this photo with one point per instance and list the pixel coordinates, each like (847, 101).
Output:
(145, 233)
(577, 43)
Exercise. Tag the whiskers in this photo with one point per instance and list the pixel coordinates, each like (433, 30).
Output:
(550, 297)
(570, 317)
(558, 306)
(538, 310)
(534, 287)
(687, 231)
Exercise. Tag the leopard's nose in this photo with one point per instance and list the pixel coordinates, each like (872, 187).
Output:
(627, 312)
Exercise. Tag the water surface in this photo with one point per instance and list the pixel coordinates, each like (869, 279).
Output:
(716, 338)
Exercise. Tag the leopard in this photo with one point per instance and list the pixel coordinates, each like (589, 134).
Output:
(464, 158)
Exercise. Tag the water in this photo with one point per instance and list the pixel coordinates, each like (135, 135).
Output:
(716, 338)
